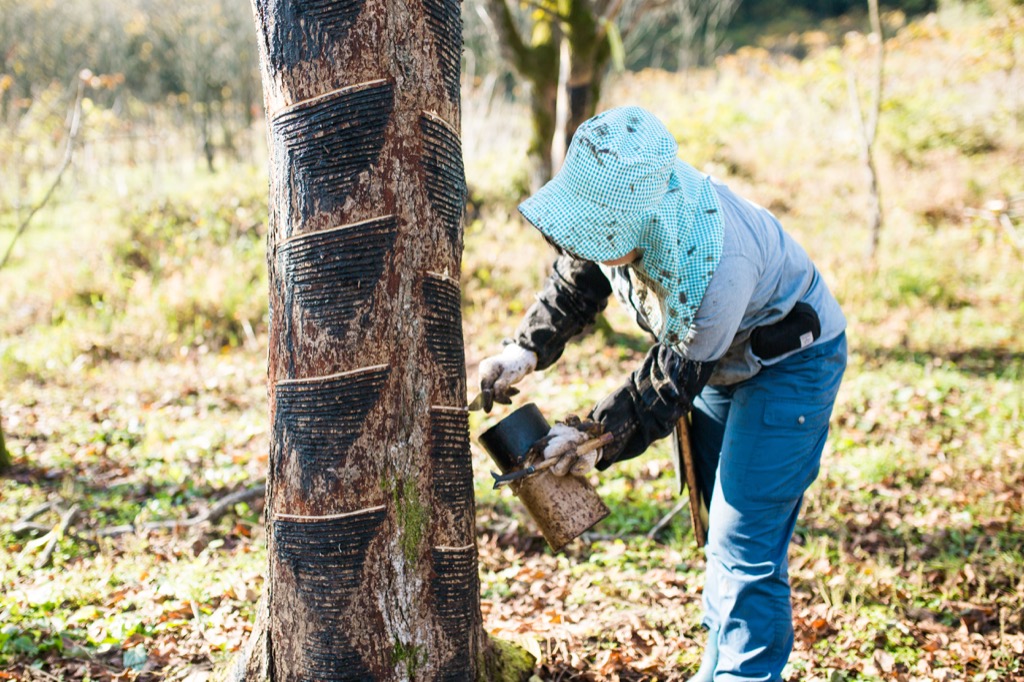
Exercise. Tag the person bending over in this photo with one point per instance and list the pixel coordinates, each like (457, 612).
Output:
(746, 336)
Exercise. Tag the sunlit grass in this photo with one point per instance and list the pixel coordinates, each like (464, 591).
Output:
(130, 384)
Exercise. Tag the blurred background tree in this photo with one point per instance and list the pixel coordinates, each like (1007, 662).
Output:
(197, 61)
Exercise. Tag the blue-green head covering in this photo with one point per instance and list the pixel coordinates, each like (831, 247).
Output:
(623, 188)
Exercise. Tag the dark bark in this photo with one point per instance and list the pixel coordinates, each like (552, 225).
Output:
(372, 556)
(588, 54)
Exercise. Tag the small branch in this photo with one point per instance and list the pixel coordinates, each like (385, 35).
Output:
(637, 15)
(24, 525)
(211, 515)
(510, 42)
(605, 19)
(21, 529)
(1011, 231)
(546, 10)
(876, 106)
(867, 158)
(38, 510)
(680, 505)
(55, 535)
(999, 212)
(69, 150)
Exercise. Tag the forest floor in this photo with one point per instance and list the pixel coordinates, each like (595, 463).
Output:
(132, 391)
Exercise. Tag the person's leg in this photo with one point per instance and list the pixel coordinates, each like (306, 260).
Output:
(708, 418)
(709, 415)
(774, 432)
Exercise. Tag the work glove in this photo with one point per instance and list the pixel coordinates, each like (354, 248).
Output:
(563, 441)
(499, 372)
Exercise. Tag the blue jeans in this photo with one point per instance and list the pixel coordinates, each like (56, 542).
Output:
(758, 447)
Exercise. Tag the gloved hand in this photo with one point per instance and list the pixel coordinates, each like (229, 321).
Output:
(499, 372)
(563, 441)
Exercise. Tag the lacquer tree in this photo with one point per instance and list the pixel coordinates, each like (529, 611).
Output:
(372, 566)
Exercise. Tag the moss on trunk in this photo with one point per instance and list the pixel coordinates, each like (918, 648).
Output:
(504, 661)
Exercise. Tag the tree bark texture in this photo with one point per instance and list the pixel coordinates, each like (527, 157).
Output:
(372, 559)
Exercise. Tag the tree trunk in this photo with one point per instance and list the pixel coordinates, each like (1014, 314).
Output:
(587, 51)
(5, 456)
(868, 128)
(370, 519)
(536, 60)
(543, 107)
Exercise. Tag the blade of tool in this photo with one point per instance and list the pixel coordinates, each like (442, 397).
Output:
(477, 403)
(486, 399)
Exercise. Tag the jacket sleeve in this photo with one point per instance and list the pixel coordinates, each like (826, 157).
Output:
(573, 295)
(647, 407)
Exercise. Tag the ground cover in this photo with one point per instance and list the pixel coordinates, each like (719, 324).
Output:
(132, 367)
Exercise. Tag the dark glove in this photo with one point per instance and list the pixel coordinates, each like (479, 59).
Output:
(650, 403)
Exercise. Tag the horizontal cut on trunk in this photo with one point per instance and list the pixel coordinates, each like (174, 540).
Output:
(318, 420)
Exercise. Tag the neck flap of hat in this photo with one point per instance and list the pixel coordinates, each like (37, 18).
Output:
(680, 250)
(622, 187)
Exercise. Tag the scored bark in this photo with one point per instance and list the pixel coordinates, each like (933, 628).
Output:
(372, 558)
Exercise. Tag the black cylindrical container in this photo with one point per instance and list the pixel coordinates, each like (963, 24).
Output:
(508, 441)
(563, 507)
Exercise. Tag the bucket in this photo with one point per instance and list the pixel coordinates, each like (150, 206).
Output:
(563, 507)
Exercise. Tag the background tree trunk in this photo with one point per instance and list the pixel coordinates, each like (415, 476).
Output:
(5, 456)
(372, 558)
(867, 124)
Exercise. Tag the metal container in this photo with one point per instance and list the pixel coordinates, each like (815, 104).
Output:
(563, 507)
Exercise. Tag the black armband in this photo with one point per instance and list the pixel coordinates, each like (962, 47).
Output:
(573, 295)
(647, 407)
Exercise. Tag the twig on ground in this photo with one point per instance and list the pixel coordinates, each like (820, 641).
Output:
(35, 511)
(667, 518)
(1011, 231)
(55, 535)
(999, 212)
(211, 515)
(221, 508)
(22, 528)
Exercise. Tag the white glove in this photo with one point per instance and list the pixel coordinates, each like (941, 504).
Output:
(499, 372)
(562, 443)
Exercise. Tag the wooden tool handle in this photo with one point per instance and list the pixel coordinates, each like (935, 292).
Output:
(700, 531)
(595, 443)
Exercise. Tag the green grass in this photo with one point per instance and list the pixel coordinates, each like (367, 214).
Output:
(132, 369)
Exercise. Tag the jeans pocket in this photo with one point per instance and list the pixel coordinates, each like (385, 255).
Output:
(789, 451)
(801, 416)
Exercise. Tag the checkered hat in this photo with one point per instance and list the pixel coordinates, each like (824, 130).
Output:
(622, 188)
